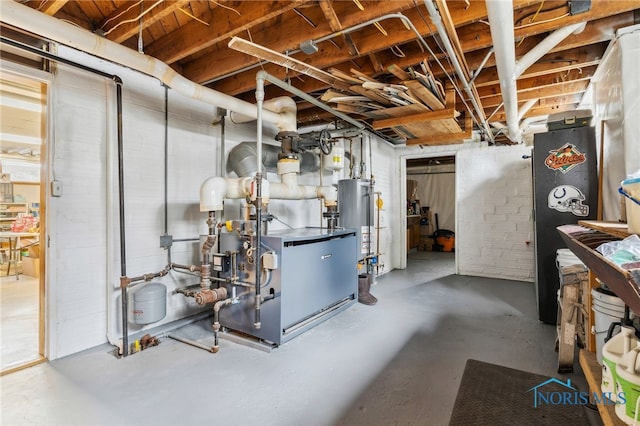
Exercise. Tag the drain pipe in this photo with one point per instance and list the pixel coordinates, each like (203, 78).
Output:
(500, 15)
(26, 18)
(118, 81)
(442, 32)
(123, 251)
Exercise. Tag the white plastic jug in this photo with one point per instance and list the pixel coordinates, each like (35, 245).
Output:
(628, 384)
(612, 352)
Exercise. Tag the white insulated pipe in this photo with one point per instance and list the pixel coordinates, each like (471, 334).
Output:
(542, 48)
(526, 107)
(500, 15)
(26, 18)
(215, 189)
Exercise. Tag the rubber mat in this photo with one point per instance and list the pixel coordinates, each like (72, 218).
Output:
(490, 394)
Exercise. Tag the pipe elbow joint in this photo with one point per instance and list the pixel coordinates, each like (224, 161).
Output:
(212, 193)
(329, 194)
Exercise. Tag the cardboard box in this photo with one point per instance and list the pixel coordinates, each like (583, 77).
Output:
(34, 250)
(31, 266)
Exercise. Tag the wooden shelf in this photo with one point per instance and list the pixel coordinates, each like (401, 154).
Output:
(593, 373)
(583, 243)
(612, 228)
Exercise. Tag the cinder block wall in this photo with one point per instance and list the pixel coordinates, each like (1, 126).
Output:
(495, 213)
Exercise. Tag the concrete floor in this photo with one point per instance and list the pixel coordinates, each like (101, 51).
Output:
(19, 320)
(398, 362)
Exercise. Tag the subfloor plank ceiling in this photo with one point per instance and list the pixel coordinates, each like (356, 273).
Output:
(404, 88)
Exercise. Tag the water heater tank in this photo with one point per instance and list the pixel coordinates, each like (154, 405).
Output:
(355, 203)
(150, 303)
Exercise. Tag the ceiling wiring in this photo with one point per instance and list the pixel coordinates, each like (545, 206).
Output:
(120, 14)
(397, 51)
(541, 22)
(127, 21)
(530, 21)
(193, 17)
(538, 11)
(307, 20)
(381, 29)
(225, 7)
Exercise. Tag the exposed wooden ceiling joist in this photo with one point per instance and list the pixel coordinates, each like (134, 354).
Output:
(193, 36)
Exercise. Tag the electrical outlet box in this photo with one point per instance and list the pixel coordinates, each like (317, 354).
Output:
(56, 188)
(579, 6)
(270, 260)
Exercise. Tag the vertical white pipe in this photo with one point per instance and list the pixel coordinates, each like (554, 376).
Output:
(259, 102)
(500, 15)
(501, 23)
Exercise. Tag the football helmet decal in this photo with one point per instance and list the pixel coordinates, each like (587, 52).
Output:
(568, 198)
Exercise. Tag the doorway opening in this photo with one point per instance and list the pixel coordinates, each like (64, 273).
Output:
(431, 205)
(23, 124)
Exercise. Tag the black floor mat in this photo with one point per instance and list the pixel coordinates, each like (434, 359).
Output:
(494, 395)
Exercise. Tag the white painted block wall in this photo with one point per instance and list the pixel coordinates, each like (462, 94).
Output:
(495, 213)
(84, 259)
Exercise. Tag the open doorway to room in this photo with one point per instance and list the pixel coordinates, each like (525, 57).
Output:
(431, 204)
(23, 111)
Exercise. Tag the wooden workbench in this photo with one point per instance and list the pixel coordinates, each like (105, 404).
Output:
(593, 373)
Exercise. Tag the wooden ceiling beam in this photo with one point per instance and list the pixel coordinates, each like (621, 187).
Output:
(90, 10)
(415, 118)
(596, 32)
(222, 24)
(204, 70)
(602, 21)
(543, 80)
(335, 25)
(330, 15)
(552, 63)
(563, 99)
(123, 32)
(287, 39)
(313, 115)
(52, 7)
(539, 92)
(375, 61)
(535, 112)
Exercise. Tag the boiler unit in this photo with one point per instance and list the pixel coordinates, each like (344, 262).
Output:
(308, 276)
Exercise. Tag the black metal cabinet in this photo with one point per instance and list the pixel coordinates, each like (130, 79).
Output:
(565, 191)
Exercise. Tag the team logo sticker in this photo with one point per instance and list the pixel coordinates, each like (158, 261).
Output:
(568, 199)
(565, 158)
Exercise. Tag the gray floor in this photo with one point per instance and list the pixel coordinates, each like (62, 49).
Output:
(19, 320)
(398, 362)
